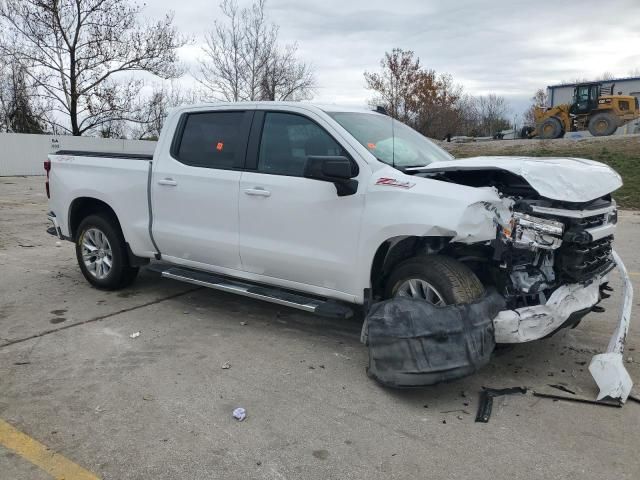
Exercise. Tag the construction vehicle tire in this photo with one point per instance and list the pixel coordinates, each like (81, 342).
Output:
(549, 128)
(603, 124)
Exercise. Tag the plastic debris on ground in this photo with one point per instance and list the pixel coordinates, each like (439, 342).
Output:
(240, 414)
(485, 406)
(414, 343)
(226, 365)
(134, 335)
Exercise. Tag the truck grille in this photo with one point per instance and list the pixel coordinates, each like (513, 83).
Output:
(587, 241)
(580, 262)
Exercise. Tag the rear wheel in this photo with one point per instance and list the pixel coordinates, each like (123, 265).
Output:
(549, 128)
(603, 124)
(436, 279)
(102, 254)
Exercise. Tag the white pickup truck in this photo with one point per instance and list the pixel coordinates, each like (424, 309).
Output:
(320, 208)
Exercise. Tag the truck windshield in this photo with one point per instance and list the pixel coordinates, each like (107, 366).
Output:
(390, 141)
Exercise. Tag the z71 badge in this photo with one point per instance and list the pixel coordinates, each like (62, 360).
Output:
(392, 182)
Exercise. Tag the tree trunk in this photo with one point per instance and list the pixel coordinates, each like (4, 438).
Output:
(73, 95)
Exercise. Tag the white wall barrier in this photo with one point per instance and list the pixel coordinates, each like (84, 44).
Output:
(24, 154)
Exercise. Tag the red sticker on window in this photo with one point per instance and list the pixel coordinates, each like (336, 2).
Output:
(220, 146)
(371, 145)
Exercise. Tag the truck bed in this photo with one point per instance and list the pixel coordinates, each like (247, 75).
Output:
(120, 180)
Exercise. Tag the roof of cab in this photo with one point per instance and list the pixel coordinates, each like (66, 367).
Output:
(267, 104)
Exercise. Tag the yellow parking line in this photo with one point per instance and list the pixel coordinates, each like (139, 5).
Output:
(51, 462)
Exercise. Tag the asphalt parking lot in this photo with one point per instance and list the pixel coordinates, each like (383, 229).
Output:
(83, 394)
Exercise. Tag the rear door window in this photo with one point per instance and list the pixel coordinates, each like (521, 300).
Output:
(214, 139)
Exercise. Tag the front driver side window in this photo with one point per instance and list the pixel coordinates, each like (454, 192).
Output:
(287, 141)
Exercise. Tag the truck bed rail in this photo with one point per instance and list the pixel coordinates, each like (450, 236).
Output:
(126, 156)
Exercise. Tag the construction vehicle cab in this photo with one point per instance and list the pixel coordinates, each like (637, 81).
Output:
(594, 108)
(585, 98)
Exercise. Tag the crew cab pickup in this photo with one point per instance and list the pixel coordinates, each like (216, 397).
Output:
(323, 207)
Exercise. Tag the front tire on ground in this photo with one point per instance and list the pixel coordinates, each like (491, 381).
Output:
(549, 128)
(603, 124)
(102, 254)
(435, 278)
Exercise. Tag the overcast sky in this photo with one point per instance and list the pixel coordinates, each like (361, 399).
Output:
(506, 47)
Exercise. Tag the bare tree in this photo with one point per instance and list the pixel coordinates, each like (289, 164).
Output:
(285, 78)
(153, 111)
(20, 111)
(492, 110)
(605, 76)
(243, 60)
(76, 51)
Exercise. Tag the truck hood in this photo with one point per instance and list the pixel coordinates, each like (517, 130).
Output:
(564, 179)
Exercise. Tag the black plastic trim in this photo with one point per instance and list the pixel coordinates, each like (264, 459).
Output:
(134, 260)
(255, 137)
(87, 153)
(150, 208)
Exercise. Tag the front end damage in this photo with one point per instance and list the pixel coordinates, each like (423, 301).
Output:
(553, 269)
(549, 259)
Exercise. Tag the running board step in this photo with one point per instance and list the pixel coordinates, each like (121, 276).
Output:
(325, 308)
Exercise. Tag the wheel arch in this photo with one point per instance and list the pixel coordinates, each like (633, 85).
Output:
(82, 207)
(395, 250)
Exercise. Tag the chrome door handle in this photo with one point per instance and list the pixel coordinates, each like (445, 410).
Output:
(168, 181)
(258, 192)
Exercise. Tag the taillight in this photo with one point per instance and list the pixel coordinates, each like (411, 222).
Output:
(47, 168)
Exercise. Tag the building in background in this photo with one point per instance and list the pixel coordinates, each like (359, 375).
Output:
(559, 94)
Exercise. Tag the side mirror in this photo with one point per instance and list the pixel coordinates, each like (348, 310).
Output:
(336, 169)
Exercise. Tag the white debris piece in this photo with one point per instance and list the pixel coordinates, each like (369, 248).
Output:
(240, 414)
(607, 369)
(134, 335)
(226, 365)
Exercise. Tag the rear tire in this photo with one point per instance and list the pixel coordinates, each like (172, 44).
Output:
(603, 124)
(549, 128)
(102, 253)
(453, 281)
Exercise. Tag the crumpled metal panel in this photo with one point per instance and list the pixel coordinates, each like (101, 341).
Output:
(567, 179)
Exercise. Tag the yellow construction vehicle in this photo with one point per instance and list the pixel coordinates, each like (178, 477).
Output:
(594, 107)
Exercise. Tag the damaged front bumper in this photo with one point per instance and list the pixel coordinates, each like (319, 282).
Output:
(532, 323)
(414, 343)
